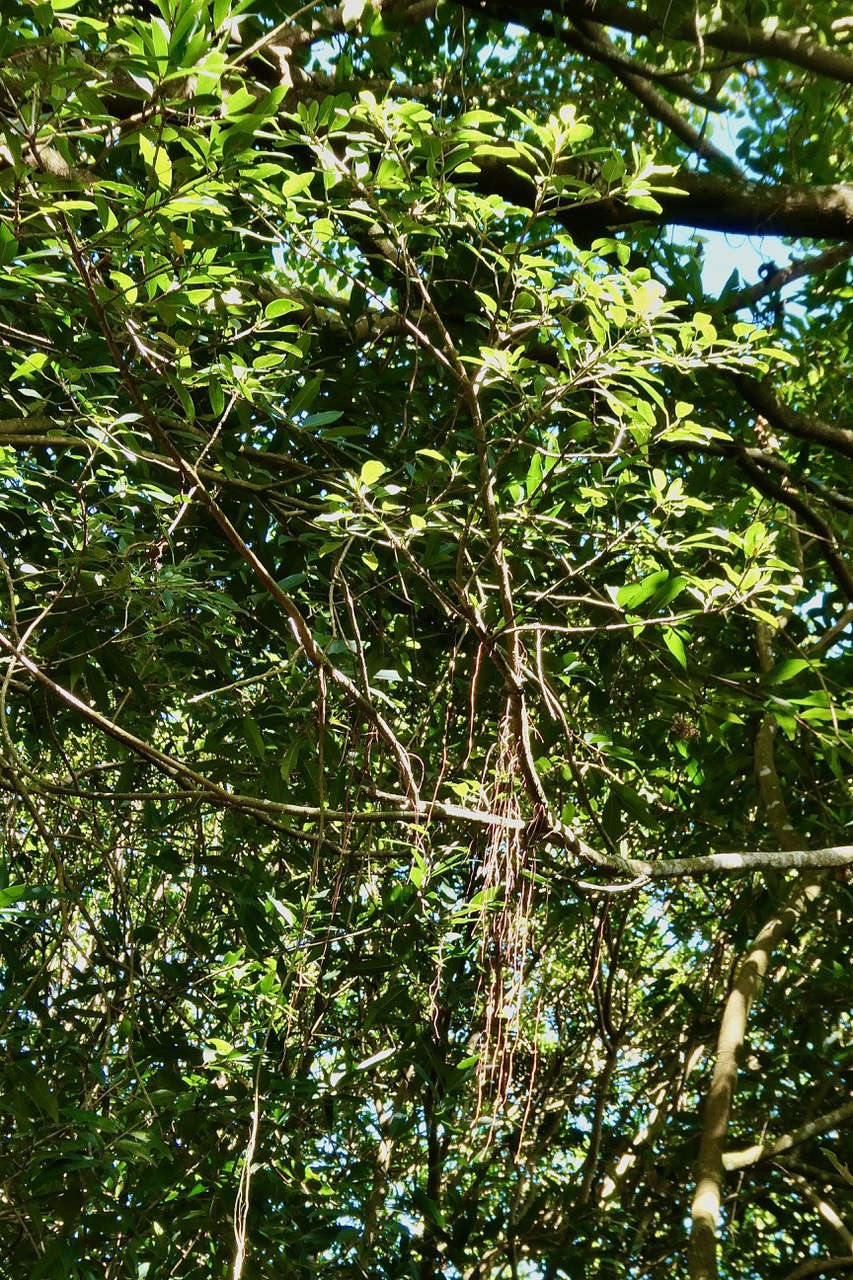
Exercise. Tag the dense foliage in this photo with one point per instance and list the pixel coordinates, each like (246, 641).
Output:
(424, 641)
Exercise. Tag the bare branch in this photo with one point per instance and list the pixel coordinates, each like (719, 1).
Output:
(763, 399)
(595, 42)
(767, 1150)
(819, 1267)
(795, 47)
(702, 1255)
(797, 269)
(740, 863)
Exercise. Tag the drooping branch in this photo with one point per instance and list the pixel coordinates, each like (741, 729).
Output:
(797, 48)
(786, 494)
(396, 808)
(765, 459)
(601, 49)
(825, 1209)
(761, 397)
(595, 42)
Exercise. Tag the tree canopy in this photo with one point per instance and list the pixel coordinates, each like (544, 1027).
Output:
(425, 635)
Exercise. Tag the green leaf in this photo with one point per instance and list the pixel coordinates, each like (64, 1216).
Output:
(296, 183)
(636, 593)
(14, 893)
(787, 669)
(216, 396)
(371, 472)
(253, 737)
(280, 307)
(375, 1059)
(323, 419)
(156, 160)
(645, 202)
(675, 644)
(223, 1047)
(239, 101)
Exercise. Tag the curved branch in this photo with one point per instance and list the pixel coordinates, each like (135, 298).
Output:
(797, 48)
(595, 42)
(795, 270)
(820, 1267)
(602, 49)
(767, 1150)
(761, 397)
(787, 495)
(702, 1255)
(696, 200)
(405, 809)
(764, 458)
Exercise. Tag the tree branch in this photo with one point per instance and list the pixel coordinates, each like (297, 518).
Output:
(595, 42)
(697, 200)
(787, 494)
(761, 397)
(606, 52)
(819, 1267)
(702, 1255)
(767, 1150)
(794, 47)
(795, 270)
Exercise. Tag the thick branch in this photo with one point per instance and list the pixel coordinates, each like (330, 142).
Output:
(794, 47)
(820, 1267)
(762, 398)
(787, 860)
(767, 1150)
(595, 42)
(702, 1257)
(697, 200)
(795, 270)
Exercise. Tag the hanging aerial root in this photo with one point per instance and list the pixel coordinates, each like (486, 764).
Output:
(507, 878)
